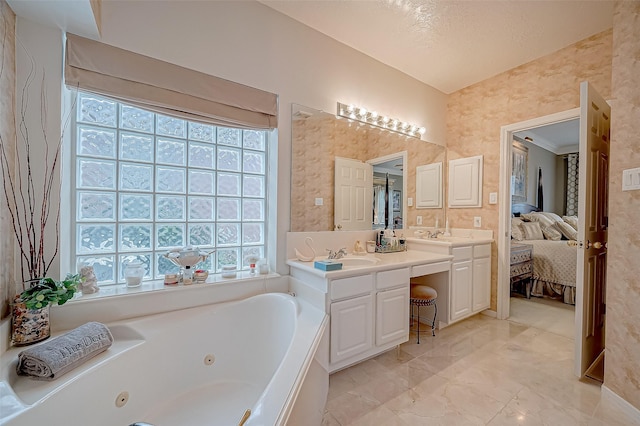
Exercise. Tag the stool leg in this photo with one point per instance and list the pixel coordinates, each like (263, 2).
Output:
(433, 324)
(418, 324)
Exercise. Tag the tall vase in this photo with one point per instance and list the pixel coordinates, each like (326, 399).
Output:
(28, 325)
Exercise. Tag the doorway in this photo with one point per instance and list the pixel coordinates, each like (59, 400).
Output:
(389, 211)
(547, 186)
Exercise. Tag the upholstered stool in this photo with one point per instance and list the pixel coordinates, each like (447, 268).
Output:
(423, 295)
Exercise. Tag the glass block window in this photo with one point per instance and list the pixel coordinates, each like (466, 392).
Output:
(146, 183)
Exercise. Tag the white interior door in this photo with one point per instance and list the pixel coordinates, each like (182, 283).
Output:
(595, 123)
(353, 200)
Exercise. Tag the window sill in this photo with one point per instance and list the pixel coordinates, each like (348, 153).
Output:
(158, 285)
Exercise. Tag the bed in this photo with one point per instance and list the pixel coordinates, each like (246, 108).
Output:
(554, 262)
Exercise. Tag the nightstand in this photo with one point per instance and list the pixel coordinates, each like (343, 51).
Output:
(522, 268)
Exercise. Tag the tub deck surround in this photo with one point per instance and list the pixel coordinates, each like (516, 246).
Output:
(151, 298)
(202, 365)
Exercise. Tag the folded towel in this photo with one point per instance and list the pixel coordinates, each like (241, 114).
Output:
(51, 359)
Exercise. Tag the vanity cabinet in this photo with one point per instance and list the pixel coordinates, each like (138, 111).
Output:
(369, 314)
(392, 307)
(461, 288)
(481, 278)
(470, 281)
(351, 327)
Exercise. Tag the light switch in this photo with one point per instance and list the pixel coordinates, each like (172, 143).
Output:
(409, 201)
(419, 220)
(319, 201)
(631, 179)
(493, 198)
(477, 221)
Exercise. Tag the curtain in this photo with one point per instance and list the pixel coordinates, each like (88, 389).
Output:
(166, 88)
(572, 184)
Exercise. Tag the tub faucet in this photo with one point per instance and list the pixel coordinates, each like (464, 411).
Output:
(140, 424)
(337, 254)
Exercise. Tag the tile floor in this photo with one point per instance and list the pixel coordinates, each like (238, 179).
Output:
(481, 371)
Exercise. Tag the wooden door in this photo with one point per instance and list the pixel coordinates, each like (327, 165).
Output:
(353, 200)
(595, 123)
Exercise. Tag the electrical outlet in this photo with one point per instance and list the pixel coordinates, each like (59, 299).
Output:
(419, 220)
(493, 198)
(409, 201)
(319, 201)
(477, 221)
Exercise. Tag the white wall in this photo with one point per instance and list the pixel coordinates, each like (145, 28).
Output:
(249, 43)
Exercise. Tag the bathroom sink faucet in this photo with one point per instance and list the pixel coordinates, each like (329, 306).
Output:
(337, 254)
(434, 234)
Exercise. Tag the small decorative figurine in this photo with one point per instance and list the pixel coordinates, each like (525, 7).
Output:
(89, 282)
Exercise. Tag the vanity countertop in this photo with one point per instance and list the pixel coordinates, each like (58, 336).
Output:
(375, 262)
(450, 241)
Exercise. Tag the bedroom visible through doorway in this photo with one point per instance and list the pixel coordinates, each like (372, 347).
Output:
(544, 175)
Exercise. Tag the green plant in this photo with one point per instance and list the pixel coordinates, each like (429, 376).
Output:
(48, 291)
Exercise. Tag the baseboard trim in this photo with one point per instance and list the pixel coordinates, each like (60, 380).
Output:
(490, 313)
(622, 404)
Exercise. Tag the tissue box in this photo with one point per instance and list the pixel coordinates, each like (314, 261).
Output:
(327, 265)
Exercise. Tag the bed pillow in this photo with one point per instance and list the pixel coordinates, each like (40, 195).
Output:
(538, 217)
(571, 220)
(567, 230)
(516, 229)
(554, 217)
(552, 234)
(532, 231)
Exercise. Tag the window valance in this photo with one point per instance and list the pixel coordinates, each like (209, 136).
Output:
(165, 87)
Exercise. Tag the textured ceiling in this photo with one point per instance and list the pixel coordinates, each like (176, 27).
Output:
(451, 44)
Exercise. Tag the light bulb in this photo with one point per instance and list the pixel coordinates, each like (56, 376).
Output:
(414, 128)
(374, 115)
(385, 120)
(362, 112)
(422, 130)
(350, 108)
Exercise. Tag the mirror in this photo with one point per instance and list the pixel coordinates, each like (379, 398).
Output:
(318, 137)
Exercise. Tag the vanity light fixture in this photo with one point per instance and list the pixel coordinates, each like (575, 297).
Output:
(362, 115)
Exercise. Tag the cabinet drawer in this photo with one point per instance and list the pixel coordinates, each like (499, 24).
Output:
(431, 268)
(393, 278)
(521, 269)
(483, 250)
(461, 253)
(348, 287)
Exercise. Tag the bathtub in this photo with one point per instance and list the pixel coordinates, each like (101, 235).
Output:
(199, 366)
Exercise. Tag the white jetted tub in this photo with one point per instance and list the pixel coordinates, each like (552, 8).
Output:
(200, 366)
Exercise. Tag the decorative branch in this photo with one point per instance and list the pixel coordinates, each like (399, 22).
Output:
(33, 213)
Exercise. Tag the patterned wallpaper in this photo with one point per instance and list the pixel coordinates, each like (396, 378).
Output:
(317, 140)
(7, 130)
(545, 86)
(622, 360)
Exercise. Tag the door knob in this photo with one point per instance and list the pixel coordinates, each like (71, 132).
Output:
(338, 226)
(596, 245)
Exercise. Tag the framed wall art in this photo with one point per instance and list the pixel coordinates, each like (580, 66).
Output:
(519, 161)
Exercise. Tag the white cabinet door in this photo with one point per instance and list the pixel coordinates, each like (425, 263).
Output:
(461, 286)
(465, 182)
(351, 327)
(392, 316)
(481, 284)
